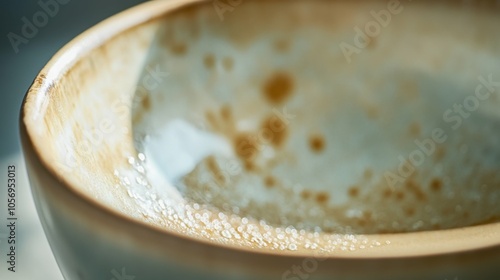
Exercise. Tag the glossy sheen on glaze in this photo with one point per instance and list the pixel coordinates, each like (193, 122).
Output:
(347, 118)
(90, 240)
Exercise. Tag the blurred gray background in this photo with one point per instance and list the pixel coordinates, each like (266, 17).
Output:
(34, 258)
(19, 69)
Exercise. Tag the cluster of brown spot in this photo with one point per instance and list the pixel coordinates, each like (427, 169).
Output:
(365, 219)
(273, 130)
(319, 197)
(248, 145)
(223, 121)
(245, 147)
(276, 128)
(209, 61)
(414, 188)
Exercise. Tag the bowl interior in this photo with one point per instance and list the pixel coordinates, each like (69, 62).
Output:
(319, 120)
(349, 117)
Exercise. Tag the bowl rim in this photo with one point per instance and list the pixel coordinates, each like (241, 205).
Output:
(439, 242)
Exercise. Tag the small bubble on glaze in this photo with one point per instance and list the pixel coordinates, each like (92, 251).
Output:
(204, 221)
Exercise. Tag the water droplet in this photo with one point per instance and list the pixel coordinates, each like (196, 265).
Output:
(131, 160)
(141, 157)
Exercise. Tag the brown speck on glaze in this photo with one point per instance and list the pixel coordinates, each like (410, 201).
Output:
(282, 45)
(371, 111)
(213, 167)
(209, 61)
(415, 189)
(212, 120)
(270, 181)
(410, 211)
(178, 48)
(322, 197)
(228, 63)
(222, 120)
(317, 143)
(492, 219)
(362, 222)
(278, 88)
(146, 103)
(400, 195)
(447, 211)
(371, 43)
(226, 113)
(436, 185)
(305, 194)
(409, 89)
(387, 193)
(249, 166)
(367, 214)
(366, 218)
(276, 129)
(440, 153)
(353, 191)
(137, 117)
(414, 129)
(245, 147)
(368, 174)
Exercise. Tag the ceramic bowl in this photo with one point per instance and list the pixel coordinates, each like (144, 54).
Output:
(381, 117)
